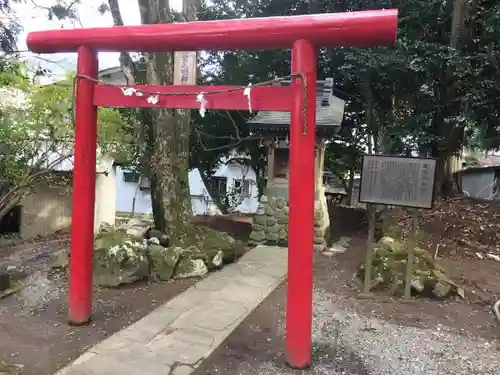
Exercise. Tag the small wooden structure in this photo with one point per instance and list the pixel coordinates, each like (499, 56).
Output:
(271, 221)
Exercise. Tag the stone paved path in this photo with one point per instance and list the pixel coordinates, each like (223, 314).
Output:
(177, 336)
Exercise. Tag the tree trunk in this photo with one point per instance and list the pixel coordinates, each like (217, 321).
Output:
(370, 121)
(167, 141)
(453, 134)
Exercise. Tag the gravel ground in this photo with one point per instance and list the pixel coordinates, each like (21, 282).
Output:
(387, 349)
(346, 343)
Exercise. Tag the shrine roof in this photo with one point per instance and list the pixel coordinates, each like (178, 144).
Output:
(329, 110)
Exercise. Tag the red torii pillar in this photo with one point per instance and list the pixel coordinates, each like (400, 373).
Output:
(303, 34)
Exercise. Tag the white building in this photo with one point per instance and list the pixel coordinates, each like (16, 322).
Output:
(133, 193)
(228, 176)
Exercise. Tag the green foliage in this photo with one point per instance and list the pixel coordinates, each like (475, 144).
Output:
(37, 133)
(434, 92)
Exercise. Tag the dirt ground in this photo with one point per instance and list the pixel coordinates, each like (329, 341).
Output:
(458, 228)
(35, 338)
(260, 338)
(473, 315)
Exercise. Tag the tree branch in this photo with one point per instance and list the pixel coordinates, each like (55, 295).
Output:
(126, 62)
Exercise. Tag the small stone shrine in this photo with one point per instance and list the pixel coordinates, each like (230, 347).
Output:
(270, 223)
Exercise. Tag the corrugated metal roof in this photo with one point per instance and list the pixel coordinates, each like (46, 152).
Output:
(329, 109)
(481, 164)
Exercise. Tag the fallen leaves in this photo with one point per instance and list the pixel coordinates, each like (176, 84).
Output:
(458, 228)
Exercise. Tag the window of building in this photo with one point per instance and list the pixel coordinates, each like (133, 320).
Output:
(144, 183)
(219, 184)
(243, 187)
(133, 177)
(136, 178)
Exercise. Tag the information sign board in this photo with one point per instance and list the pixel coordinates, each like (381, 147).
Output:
(397, 181)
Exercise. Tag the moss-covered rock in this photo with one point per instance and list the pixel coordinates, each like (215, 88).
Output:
(190, 268)
(389, 269)
(119, 260)
(163, 261)
(205, 243)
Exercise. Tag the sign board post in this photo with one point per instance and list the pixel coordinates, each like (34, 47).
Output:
(396, 181)
(370, 208)
(412, 242)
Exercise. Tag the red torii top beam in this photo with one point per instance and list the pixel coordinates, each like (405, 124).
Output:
(353, 29)
(304, 34)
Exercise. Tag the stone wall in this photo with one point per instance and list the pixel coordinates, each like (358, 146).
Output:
(270, 223)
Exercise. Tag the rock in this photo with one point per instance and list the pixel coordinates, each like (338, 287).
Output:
(494, 257)
(319, 241)
(417, 285)
(131, 223)
(389, 244)
(260, 211)
(257, 227)
(260, 220)
(389, 269)
(280, 203)
(271, 221)
(154, 241)
(344, 241)
(269, 211)
(107, 240)
(218, 259)
(274, 229)
(441, 289)
(318, 248)
(264, 199)
(106, 227)
(272, 237)
(258, 236)
(61, 259)
(123, 263)
(281, 217)
(318, 215)
(138, 231)
(191, 268)
(4, 281)
(163, 261)
(162, 238)
(283, 235)
(337, 249)
(318, 232)
(209, 242)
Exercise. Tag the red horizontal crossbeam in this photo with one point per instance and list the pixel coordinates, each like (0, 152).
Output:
(264, 98)
(351, 29)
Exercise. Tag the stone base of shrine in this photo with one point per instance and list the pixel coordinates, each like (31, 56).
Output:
(270, 223)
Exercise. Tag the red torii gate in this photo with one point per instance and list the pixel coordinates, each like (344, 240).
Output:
(303, 34)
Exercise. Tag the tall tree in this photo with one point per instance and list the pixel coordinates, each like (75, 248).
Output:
(165, 133)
